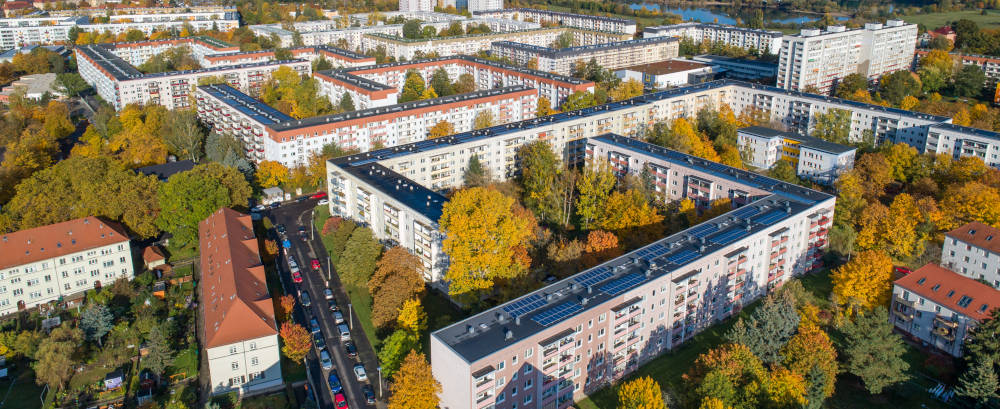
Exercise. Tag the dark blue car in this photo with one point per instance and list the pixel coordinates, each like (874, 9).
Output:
(335, 386)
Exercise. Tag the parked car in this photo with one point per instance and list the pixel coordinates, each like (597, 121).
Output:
(328, 294)
(345, 333)
(369, 394)
(359, 372)
(335, 385)
(315, 265)
(333, 305)
(259, 208)
(340, 401)
(297, 277)
(314, 325)
(350, 349)
(318, 341)
(291, 261)
(301, 199)
(338, 317)
(324, 360)
(275, 205)
(320, 195)
(304, 297)
(280, 228)
(323, 202)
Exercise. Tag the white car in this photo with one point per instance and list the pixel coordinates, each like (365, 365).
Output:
(359, 372)
(324, 360)
(328, 293)
(259, 208)
(322, 202)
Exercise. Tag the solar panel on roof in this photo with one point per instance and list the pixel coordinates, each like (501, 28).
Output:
(683, 256)
(703, 230)
(557, 313)
(620, 285)
(524, 305)
(729, 236)
(746, 211)
(652, 251)
(770, 217)
(589, 278)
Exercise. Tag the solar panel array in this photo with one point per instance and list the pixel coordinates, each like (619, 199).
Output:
(745, 211)
(594, 276)
(729, 236)
(770, 217)
(703, 230)
(682, 257)
(619, 285)
(651, 252)
(524, 305)
(557, 313)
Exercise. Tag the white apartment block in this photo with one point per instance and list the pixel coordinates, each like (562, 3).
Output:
(609, 55)
(973, 251)
(404, 48)
(45, 264)
(746, 38)
(240, 333)
(18, 32)
(483, 5)
(820, 59)
(814, 159)
(960, 141)
(416, 5)
(339, 58)
(938, 307)
(581, 21)
(270, 135)
(119, 83)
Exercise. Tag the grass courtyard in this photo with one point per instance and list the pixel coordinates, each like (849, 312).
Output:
(991, 19)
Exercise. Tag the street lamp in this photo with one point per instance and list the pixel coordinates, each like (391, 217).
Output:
(350, 315)
(329, 275)
(312, 226)
(380, 381)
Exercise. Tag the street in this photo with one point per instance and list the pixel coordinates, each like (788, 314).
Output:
(293, 215)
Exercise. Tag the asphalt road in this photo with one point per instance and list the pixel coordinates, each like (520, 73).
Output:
(293, 215)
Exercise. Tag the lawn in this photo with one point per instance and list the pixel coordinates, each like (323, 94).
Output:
(989, 20)
(277, 400)
(23, 394)
(292, 371)
(177, 254)
(185, 364)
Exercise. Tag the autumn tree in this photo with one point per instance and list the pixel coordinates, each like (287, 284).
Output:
(874, 353)
(785, 389)
(139, 142)
(834, 125)
(810, 348)
(358, 261)
(413, 87)
(539, 169)
(594, 187)
(464, 84)
(475, 173)
(640, 393)
(601, 246)
(544, 107)
(294, 95)
(898, 85)
(683, 137)
(627, 210)
(295, 341)
(625, 90)
(286, 305)
(414, 386)
(730, 373)
(412, 316)
(768, 328)
(394, 349)
(891, 229)
(864, 281)
(271, 173)
(397, 279)
(442, 128)
(54, 362)
(189, 197)
(578, 100)
(484, 119)
(485, 239)
(970, 201)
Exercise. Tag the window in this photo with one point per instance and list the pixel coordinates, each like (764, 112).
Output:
(253, 346)
(232, 350)
(501, 397)
(500, 365)
(528, 369)
(235, 365)
(254, 361)
(527, 384)
(529, 352)
(513, 360)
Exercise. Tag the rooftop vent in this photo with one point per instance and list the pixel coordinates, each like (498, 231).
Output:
(508, 334)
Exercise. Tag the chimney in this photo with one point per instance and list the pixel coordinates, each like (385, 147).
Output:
(508, 334)
(470, 329)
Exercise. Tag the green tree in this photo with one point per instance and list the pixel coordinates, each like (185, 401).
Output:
(983, 344)
(411, 29)
(539, 171)
(394, 349)
(874, 353)
(183, 134)
(95, 321)
(475, 173)
(54, 358)
(979, 383)
(484, 119)
(72, 84)
(932, 79)
(768, 328)
(564, 40)
(357, 263)
(594, 188)
(969, 81)
(834, 126)
(850, 84)
(441, 82)
(189, 197)
(346, 102)
(898, 85)
(413, 88)
(321, 64)
(160, 355)
(784, 170)
(578, 100)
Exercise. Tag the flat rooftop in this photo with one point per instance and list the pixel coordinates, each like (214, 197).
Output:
(251, 107)
(769, 33)
(411, 194)
(721, 59)
(969, 130)
(344, 75)
(470, 59)
(804, 140)
(667, 67)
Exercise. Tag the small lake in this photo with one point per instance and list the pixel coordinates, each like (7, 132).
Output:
(705, 15)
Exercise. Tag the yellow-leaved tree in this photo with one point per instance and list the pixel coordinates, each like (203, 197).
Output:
(271, 173)
(442, 128)
(785, 389)
(970, 201)
(627, 210)
(811, 349)
(414, 386)
(891, 229)
(864, 281)
(641, 393)
(412, 316)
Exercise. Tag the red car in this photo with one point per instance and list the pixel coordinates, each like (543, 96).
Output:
(297, 277)
(340, 401)
(320, 195)
(902, 270)
(315, 265)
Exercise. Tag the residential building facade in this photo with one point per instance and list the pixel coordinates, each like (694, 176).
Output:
(747, 38)
(581, 21)
(609, 55)
(470, 44)
(240, 333)
(960, 141)
(18, 32)
(813, 158)
(973, 251)
(63, 260)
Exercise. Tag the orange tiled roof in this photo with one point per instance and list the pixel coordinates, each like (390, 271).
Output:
(55, 240)
(947, 288)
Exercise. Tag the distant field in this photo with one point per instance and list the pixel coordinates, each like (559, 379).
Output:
(990, 20)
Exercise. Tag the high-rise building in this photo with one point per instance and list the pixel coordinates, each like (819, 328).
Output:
(484, 5)
(416, 5)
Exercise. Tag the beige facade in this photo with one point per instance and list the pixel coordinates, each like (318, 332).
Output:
(609, 55)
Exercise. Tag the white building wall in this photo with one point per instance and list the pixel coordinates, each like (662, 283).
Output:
(248, 366)
(971, 261)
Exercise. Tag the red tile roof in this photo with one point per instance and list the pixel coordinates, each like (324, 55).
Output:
(978, 234)
(55, 240)
(17, 4)
(935, 283)
(235, 302)
(152, 253)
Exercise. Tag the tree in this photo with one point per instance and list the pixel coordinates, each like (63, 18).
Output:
(941, 43)
(640, 393)
(358, 261)
(892, 229)
(564, 40)
(441, 82)
(539, 169)
(339, 239)
(601, 246)
(442, 128)
(979, 383)
(850, 84)
(909, 103)
(346, 102)
(428, 93)
(54, 358)
(970, 201)
(411, 29)
(484, 119)
(768, 328)
(932, 78)
(189, 197)
(296, 341)
(412, 317)
(72, 84)
(159, 354)
(95, 321)
(183, 135)
(785, 389)
(413, 87)
(397, 279)
(834, 126)
(898, 85)
(578, 100)
(982, 345)
(321, 64)
(464, 84)
(595, 185)
(874, 353)
(271, 173)
(969, 81)
(810, 348)
(286, 305)
(785, 171)
(485, 239)
(628, 210)
(864, 281)
(476, 175)
(730, 373)
(544, 107)
(414, 386)
(394, 350)
(625, 90)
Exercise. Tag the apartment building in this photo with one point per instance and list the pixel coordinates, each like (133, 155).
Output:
(665, 74)
(20, 32)
(484, 5)
(820, 59)
(814, 159)
(61, 261)
(240, 333)
(380, 85)
(138, 52)
(270, 135)
(581, 21)
(119, 9)
(959, 141)
(120, 83)
(416, 5)
(565, 340)
(973, 251)
(989, 65)
(339, 58)
(612, 55)
(747, 38)
(939, 307)
(738, 68)
(407, 48)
